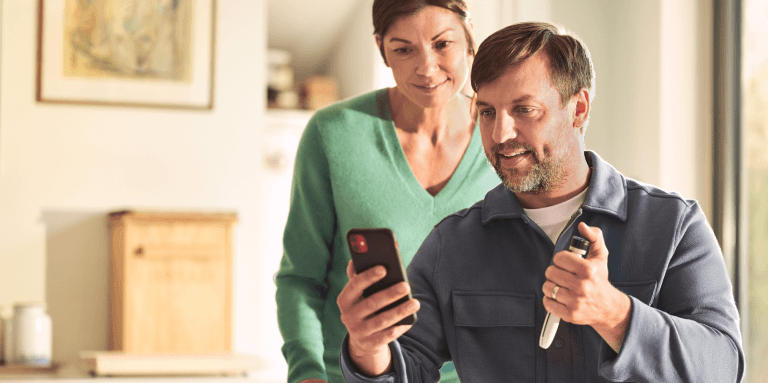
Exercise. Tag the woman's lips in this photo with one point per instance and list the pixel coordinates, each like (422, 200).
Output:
(430, 87)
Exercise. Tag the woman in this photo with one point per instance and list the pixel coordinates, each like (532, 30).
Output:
(402, 158)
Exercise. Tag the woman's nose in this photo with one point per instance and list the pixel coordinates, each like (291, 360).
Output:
(428, 64)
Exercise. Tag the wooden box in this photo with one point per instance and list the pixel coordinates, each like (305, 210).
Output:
(170, 282)
(318, 92)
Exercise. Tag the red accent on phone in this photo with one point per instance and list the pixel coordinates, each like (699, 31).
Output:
(357, 244)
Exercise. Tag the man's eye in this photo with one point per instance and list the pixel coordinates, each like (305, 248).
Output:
(525, 110)
(402, 50)
(486, 113)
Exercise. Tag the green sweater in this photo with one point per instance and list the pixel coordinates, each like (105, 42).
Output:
(351, 172)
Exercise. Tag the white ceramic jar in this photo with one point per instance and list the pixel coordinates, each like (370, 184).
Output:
(32, 341)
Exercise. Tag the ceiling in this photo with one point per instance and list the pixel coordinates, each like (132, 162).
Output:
(309, 28)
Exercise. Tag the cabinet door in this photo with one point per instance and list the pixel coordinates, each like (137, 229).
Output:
(177, 299)
(171, 282)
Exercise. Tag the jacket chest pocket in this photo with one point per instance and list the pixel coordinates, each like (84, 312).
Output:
(495, 336)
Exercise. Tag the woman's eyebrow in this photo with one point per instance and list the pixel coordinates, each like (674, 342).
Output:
(408, 42)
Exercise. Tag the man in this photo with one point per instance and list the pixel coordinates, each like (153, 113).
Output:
(651, 302)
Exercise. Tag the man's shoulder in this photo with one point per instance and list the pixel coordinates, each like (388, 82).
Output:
(464, 213)
(479, 212)
(645, 191)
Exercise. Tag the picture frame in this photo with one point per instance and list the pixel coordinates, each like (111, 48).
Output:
(140, 53)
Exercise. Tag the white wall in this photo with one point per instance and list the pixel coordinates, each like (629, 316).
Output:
(354, 61)
(686, 149)
(652, 115)
(64, 167)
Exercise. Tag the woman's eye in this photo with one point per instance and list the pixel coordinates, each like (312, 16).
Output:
(402, 50)
(442, 44)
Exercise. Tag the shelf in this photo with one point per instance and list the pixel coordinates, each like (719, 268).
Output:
(116, 363)
(20, 369)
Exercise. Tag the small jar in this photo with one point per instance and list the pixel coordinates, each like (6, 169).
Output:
(31, 335)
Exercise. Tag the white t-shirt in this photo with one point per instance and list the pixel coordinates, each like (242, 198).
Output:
(552, 219)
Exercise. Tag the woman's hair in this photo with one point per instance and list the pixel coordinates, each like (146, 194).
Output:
(385, 12)
(570, 64)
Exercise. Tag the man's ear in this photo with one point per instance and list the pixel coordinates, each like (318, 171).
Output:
(582, 107)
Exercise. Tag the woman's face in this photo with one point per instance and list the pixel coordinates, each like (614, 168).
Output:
(428, 55)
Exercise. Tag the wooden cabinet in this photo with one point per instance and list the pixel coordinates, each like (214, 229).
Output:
(171, 282)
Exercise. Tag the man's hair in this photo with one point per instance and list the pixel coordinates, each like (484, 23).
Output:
(570, 65)
(385, 12)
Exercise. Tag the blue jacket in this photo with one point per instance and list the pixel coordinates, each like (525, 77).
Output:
(478, 277)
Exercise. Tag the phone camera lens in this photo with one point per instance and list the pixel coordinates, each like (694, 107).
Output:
(357, 242)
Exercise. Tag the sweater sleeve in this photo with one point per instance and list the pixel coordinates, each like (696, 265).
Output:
(301, 281)
(693, 334)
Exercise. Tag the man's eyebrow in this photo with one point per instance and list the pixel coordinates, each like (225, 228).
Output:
(522, 98)
(515, 101)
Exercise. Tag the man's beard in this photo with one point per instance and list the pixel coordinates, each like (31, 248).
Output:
(544, 175)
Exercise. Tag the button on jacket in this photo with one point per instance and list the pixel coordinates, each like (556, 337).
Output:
(478, 277)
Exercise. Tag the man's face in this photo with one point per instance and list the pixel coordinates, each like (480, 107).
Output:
(527, 136)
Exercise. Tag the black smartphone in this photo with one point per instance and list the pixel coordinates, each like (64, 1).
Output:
(378, 246)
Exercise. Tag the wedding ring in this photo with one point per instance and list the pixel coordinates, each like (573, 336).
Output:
(554, 292)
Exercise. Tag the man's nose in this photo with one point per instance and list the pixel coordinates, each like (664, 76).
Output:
(504, 128)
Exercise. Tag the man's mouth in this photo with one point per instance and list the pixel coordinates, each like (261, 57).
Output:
(513, 159)
(514, 154)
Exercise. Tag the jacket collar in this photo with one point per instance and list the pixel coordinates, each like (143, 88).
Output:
(607, 194)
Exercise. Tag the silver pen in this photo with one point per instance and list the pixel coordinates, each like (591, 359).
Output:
(579, 246)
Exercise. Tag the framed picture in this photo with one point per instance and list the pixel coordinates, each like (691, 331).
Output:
(149, 53)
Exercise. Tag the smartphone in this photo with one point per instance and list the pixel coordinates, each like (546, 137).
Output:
(378, 246)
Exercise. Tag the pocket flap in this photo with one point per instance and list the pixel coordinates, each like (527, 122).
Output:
(492, 309)
(643, 291)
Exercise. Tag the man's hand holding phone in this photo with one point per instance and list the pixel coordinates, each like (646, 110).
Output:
(370, 333)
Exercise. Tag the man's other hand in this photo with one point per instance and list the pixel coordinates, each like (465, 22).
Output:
(585, 296)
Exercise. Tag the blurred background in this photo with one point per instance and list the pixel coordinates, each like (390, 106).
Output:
(681, 100)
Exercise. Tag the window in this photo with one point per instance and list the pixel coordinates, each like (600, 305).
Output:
(754, 128)
(741, 169)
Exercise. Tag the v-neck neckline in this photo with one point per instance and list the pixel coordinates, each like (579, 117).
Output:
(404, 168)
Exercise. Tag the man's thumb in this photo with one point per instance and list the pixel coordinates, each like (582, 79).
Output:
(594, 235)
